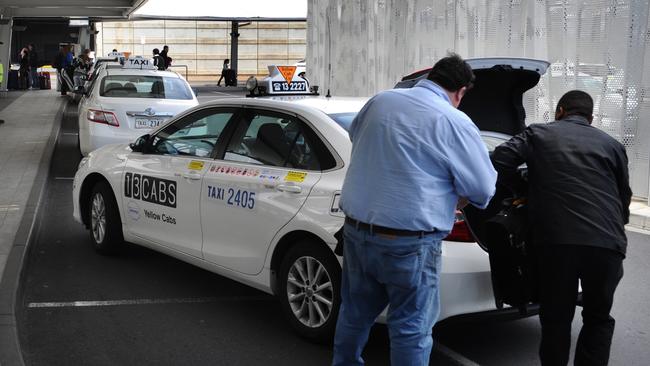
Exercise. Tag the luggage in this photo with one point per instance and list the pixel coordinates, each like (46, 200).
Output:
(513, 259)
(44, 80)
(12, 80)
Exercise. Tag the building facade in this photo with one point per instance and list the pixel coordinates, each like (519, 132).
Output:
(203, 45)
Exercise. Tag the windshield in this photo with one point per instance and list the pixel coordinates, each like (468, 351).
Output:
(141, 86)
(343, 119)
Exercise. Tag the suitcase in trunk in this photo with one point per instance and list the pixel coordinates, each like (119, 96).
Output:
(513, 259)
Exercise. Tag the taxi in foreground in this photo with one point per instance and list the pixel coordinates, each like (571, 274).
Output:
(249, 188)
(120, 104)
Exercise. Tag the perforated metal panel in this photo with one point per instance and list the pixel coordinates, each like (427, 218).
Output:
(359, 47)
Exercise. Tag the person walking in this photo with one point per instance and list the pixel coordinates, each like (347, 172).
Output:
(415, 159)
(163, 54)
(224, 71)
(579, 197)
(23, 71)
(33, 67)
(158, 60)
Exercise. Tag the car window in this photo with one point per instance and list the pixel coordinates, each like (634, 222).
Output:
(194, 135)
(275, 139)
(144, 86)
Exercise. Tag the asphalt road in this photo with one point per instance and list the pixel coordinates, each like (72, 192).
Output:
(142, 307)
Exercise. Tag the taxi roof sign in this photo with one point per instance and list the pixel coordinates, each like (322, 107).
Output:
(287, 72)
(139, 62)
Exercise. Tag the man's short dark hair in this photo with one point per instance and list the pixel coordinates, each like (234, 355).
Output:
(452, 73)
(156, 51)
(576, 102)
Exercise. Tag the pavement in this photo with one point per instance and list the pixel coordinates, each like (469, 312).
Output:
(27, 140)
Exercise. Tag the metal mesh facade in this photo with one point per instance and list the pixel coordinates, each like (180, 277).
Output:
(359, 47)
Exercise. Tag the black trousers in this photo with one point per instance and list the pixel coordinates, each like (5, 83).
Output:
(599, 271)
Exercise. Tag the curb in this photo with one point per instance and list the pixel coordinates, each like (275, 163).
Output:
(10, 289)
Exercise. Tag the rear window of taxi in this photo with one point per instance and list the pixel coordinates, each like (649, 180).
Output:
(144, 86)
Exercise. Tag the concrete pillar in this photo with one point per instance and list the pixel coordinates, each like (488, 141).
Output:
(5, 48)
(234, 45)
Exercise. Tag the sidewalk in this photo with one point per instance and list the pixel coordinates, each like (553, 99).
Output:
(27, 139)
(640, 215)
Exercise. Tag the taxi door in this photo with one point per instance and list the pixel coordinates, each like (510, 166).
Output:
(264, 177)
(162, 185)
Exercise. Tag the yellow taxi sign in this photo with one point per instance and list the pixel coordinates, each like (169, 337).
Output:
(195, 165)
(287, 72)
(297, 177)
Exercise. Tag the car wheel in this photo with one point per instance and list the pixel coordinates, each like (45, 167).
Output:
(105, 224)
(310, 288)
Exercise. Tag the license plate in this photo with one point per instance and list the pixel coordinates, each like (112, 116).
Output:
(148, 122)
(294, 86)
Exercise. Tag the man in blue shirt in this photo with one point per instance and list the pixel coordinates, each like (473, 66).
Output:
(415, 158)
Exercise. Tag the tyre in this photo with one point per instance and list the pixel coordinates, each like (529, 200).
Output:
(310, 290)
(104, 218)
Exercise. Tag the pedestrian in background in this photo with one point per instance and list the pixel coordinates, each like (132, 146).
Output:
(415, 158)
(58, 65)
(33, 66)
(158, 60)
(224, 70)
(163, 54)
(579, 197)
(23, 71)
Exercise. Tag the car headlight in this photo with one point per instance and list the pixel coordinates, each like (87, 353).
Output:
(251, 83)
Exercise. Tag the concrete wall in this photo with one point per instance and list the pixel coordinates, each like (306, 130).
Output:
(203, 45)
(601, 46)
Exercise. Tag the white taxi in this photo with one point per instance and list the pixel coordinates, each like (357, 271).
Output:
(121, 103)
(249, 187)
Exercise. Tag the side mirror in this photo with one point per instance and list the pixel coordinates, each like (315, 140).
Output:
(141, 144)
(196, 92)
(80, 90)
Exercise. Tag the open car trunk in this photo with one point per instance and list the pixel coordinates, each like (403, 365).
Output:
(495, 104)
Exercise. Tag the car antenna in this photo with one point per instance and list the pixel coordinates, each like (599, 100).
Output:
(329, 54)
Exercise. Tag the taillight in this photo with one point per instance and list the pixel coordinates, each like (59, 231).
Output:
(460, 231)
(104, 117)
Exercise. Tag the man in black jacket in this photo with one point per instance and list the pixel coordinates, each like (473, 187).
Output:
(579, 199)
(33, 66)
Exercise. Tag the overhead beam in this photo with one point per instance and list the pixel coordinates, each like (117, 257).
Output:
(67, 12)
(69, 3)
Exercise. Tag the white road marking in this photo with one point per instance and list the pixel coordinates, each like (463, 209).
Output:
(7, 208)
(456, 357)
(189, 300)
(69, 133)
(64, 178)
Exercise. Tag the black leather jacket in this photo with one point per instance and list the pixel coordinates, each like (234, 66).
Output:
(579, 191)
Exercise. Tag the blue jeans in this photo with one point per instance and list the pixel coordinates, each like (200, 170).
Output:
(399, 272)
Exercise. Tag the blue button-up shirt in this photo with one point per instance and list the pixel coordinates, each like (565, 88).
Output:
(413, 156)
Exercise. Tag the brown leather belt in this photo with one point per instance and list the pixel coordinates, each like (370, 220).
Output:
(376, 229)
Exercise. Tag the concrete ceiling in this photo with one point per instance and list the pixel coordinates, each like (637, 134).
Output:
(104, 9)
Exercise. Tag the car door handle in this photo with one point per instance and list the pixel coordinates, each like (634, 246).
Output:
(288, 188)
(192, 176)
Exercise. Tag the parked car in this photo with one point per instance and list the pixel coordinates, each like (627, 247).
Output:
(249, 188)
(121, 103)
